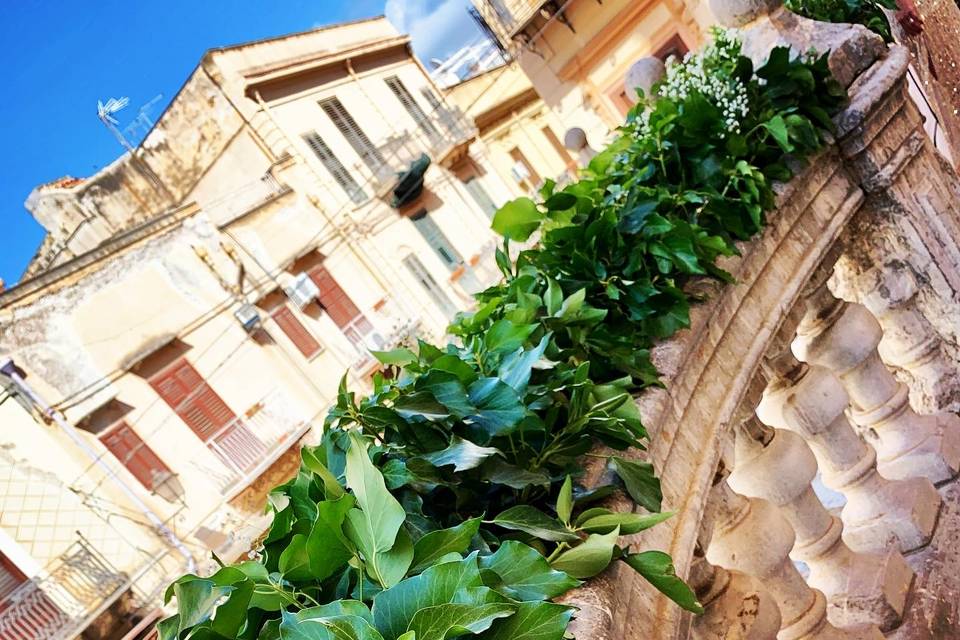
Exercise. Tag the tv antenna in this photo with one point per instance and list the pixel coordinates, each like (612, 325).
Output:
(105, 112)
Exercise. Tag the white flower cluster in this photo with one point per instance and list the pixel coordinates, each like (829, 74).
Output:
(709, 74)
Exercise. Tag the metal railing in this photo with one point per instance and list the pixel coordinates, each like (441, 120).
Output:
(506, 17)
(59, 604)
(444, 128)
(248, 443)
(382, 327)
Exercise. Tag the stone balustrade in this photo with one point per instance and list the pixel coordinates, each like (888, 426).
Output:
(832, 360)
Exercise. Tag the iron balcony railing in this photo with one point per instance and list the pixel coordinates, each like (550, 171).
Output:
(507, 17)
(250, 442)
(60, 603)
(445, 128)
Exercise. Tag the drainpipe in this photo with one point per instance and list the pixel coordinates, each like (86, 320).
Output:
(9, 369)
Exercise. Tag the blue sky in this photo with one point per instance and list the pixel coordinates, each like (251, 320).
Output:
(63, 55)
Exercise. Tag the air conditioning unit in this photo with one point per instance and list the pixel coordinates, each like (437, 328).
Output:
(303, 291)
(248, 316)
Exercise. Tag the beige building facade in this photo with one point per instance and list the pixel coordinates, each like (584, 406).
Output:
(189, 316)
(518, 134)
(577, 52)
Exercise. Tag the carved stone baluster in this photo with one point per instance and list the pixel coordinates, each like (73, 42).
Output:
(879, 513)
(910, 342)
(736, 606)
(843, 337)
(751, 536)
(861, 589)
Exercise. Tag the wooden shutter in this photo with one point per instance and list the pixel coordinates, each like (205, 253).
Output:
(191, 397)
(432, 233)
(10, 578)
(430, 285)
(412, 106)
(124, 443)
(335, 167)
(353, 133)
(480, 195)
(333, 298)
(298, 334)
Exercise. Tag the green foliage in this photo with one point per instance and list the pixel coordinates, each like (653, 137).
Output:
(869, 13)
(449, 501)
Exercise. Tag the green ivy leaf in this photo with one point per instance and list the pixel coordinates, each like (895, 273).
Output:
(497, 471)
(396, 357)
(455, 619)
(498, 407)
(437, 544)
(533, 621)
(629, 523)
(462, 454)
(657, 568)
(524, 574)
(590, 557)
(778, 129)
(374, 526)
(565, 501)
(517, 219)
(640, 480)
(394, 608)
(535, 522)
(306, 625)
(311, 457)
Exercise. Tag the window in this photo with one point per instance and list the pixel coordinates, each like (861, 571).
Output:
(188, 394)
(127, 447)
(294, 329)
(10, 578)
(354, 134)
(412, 106)
(333, 298)
(531, 177)
(431, 286)
(335, 167)
(480, 195)
(435, 238)
(560, 149)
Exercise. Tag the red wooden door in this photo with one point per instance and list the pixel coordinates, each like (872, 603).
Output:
(294, 329)
(145, 465)
(333, 298)
(191, 397)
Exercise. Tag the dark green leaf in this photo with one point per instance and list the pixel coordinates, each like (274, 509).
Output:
(657, 568)
(437, 544)
(535, 522)
(641, 482)
(524, 574)
(517, 219)
(588, 558)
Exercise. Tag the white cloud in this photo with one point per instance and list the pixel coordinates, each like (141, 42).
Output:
(437, 27)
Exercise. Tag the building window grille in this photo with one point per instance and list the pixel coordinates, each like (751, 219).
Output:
(335, 167)
(412, 107)
(347, 126)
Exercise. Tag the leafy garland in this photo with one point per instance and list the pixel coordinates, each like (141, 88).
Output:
(869, 13)
(446, 502)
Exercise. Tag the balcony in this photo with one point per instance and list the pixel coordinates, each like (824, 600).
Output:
(252, 442)
(384, 326)
(62, 601)
(443, 138)
(509, 17)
